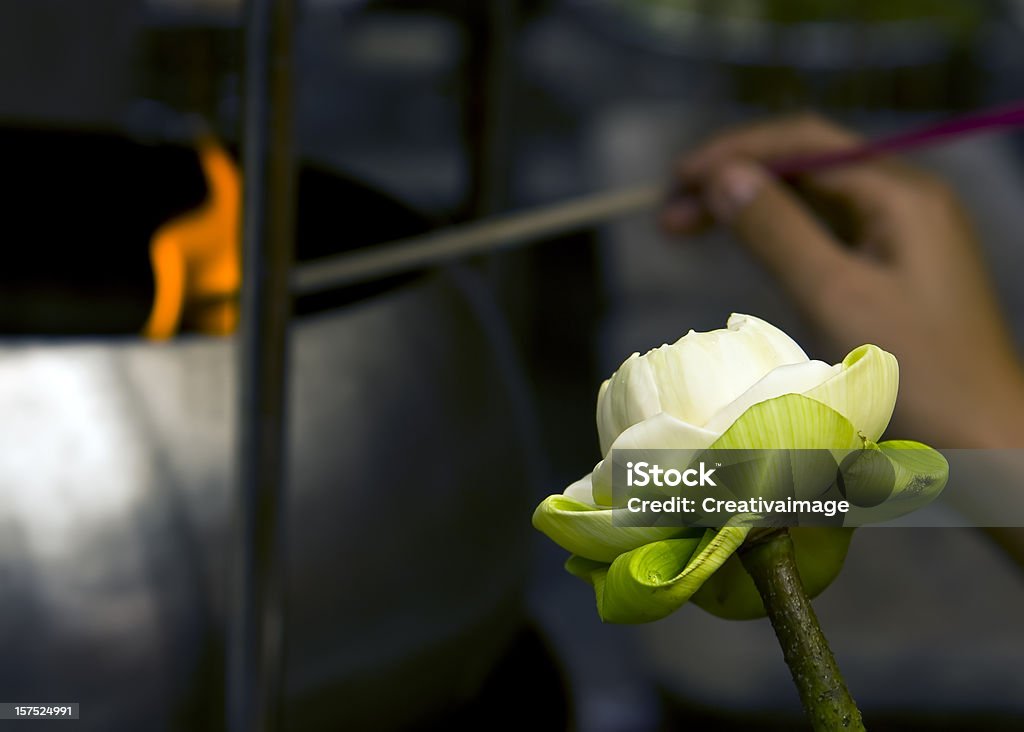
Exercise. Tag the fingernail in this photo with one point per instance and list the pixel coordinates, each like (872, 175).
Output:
(733, 188)
(681, 214)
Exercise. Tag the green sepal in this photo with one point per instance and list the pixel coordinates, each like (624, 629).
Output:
(820, 551)
(591, 572)
(654, 580)
(790, 422)
(589, 532)
(919, 473)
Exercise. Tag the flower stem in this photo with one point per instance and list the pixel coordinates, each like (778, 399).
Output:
(768, 558)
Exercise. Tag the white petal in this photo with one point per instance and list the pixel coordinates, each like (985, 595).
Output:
(784, 348)
(582, 490)
(864, 390)
(791, 379)
(660, 432)
(693, 378)
(630, 396)
(703, 372)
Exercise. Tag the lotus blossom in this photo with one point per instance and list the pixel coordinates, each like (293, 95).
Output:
(746, 386)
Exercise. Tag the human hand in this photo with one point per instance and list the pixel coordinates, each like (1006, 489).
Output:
(874, 252)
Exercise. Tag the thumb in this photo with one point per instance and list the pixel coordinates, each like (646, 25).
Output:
(777, 227)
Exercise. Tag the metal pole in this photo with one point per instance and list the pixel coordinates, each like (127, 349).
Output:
(487, 103)
(256, 643)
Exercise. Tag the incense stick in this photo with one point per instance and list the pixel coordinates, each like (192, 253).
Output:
(509, 230)
(986, 121)
(488, 235)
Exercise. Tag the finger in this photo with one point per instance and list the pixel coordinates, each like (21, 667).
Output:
(867, 187)
(782, 137)
(779, 229)
(685, 214)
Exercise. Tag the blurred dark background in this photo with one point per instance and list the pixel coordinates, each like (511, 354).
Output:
(430, 412)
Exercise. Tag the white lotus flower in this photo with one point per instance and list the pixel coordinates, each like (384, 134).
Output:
(748, 387)
(687, 394)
